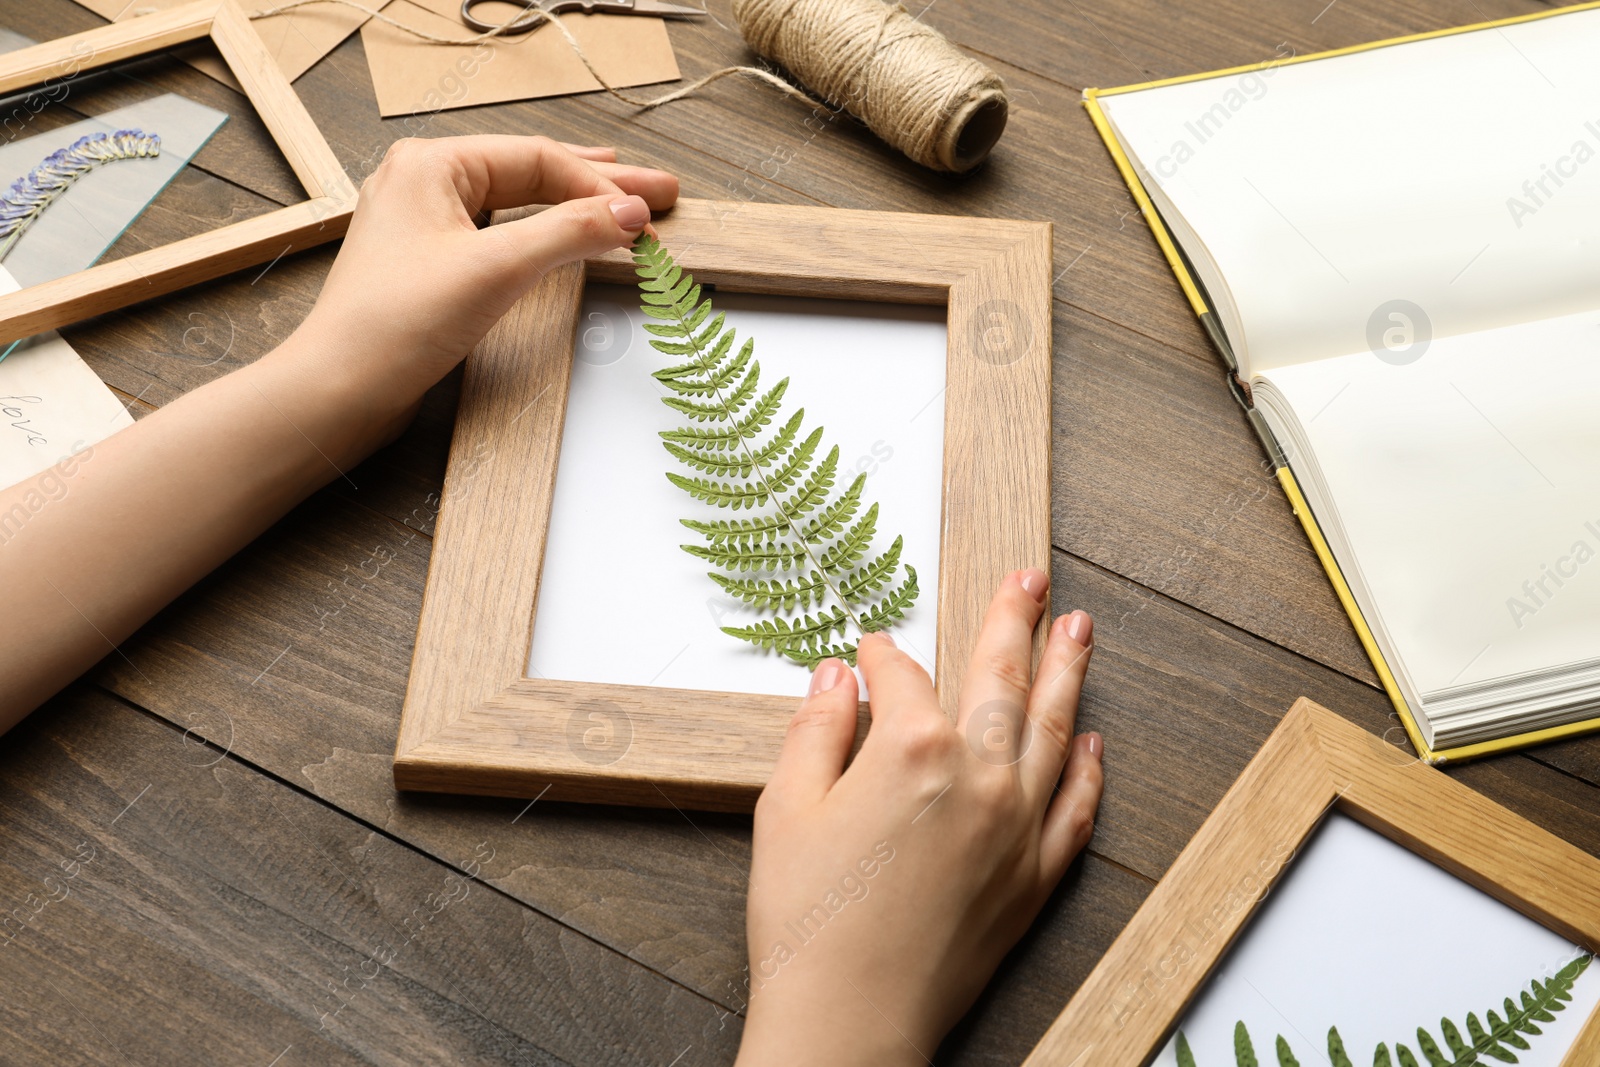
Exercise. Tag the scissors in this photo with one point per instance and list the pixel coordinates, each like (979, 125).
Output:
(534, 12)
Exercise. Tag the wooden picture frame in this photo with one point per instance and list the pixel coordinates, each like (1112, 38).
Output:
(1314, 762)
(157, 271)
(474, 722)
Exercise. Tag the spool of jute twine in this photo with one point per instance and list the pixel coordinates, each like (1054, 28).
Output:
(904, 80)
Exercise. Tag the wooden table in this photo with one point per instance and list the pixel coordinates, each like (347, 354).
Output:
(259, 894)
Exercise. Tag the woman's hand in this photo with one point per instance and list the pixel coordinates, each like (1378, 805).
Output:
(140, 517)
(882, 897)
(417, 283)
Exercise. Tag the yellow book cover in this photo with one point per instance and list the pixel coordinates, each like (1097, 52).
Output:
(1196, 293)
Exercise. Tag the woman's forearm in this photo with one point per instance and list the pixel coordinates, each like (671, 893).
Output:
(92, 548)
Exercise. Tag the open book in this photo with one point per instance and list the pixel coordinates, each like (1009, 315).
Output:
(1397, 251)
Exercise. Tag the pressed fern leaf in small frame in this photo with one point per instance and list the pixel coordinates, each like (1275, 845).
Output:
(816, 542)
(1491, 1042)
(31, 194)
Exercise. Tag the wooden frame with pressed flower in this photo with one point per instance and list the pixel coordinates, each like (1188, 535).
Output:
(157, 271)
(1314, 762)
(473, 719)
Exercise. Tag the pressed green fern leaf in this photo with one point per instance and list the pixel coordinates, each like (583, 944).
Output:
(1480, 1045)
(1483, 1044)
(815, 543)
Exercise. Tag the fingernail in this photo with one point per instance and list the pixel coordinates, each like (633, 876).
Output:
(631, 212)
(1035, 582)
(826, 676)
(1097, 745)
(877, 635)
(1079, 627)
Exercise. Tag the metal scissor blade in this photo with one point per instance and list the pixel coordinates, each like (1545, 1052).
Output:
(652, 8)
(668, 10)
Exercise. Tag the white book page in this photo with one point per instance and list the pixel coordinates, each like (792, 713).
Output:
(619, 600)
(1341, 942)
(1468, 488)
(1460, 174)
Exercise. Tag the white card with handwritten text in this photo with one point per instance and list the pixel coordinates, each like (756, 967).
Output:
(51, 404)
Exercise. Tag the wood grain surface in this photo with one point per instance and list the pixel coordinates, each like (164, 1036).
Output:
(611, 936)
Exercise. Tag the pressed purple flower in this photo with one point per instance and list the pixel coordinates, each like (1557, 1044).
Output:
(29, 195)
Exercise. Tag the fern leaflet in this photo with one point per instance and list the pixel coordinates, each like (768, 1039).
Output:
(817, 543)
(1481, 1043)
(1243, 1050)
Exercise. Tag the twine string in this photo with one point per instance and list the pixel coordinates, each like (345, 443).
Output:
(900, 76)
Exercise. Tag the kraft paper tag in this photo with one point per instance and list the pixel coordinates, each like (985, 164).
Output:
(412, 76)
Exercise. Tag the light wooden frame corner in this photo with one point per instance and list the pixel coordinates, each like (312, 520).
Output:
(474, 722)
(1314, 762)
(158, 271)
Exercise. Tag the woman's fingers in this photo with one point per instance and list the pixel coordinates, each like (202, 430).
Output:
(1053, 701)
(1001, 672)
(490, 171)
(659, 189)
(516, 171)
(820, 735)
(593, 153)
(897, 686)
(1069, 820)
(531, 247)
(466, 176)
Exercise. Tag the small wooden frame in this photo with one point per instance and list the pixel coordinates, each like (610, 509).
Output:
(475, 722)
(1314, 762)
(118, 283)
